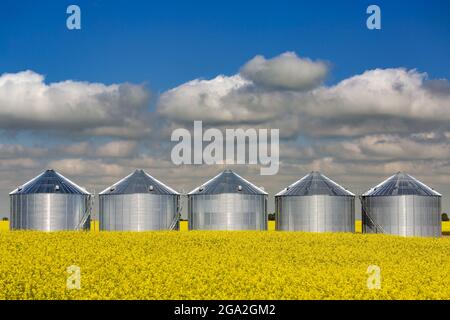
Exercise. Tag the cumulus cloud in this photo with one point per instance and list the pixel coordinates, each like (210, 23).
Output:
(11, 151)
(398, 93)
(86, 168)
(27, 102)
(117, 149)
(384, 147)
(376, 101)
(76, 149)
(10, 165)
(285, 72)
(205, 100)
(246, 98)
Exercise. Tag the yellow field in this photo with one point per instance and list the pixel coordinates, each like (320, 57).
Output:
(358, 226)
(4, 226)
(184, 226)
(221, 265)
(446, 227)
(95, 226)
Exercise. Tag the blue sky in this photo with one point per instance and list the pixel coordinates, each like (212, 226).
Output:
(169, 42)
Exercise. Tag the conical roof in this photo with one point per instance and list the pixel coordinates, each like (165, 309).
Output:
(401, 184)
(50, 181)
(314, 183)
(139, 182)
(228, 181)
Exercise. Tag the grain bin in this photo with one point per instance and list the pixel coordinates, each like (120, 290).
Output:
(227, 202)
(402, 205)
(50, 202)
(139, 202)
(315, 203)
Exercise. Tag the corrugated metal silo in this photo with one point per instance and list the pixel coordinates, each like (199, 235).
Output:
(402, 205)
(227, 202)
(315, 203)
(50, 202)
(139, 202)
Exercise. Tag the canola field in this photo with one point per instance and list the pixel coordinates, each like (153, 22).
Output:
(221, 265)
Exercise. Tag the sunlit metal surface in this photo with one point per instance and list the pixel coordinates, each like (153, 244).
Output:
(227, 202)
(315, 203)
(49, 202)
(402, 205)
(139, 202)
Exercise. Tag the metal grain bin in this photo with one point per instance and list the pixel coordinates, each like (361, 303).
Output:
(139, 202)
(402, 205)
(315, 203)
(50, 202)
(227, 202)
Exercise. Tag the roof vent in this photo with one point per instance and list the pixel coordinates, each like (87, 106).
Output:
(239, 188)
(112, 188)
(19, 189)
(57, 188)
(150, 188)
(201, 189)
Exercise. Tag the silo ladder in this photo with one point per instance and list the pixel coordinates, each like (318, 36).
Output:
(174, 222)
(86, 215)
(176, 219)
(376, 225)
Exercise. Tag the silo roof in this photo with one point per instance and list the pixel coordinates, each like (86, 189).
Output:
(50, 181)
(401, 184)
(139, 182)
(314, 183)
(228, 181)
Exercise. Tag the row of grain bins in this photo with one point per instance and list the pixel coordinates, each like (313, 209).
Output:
(400, 205)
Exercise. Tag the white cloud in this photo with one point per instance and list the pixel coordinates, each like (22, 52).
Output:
(11, 151)
(77, 149)
(384, 147)
(377, 101)
(27, 102)
(396, 93)
(10, 165)
(117, 149)
(285, 72)
(204, 99)
(86, 168)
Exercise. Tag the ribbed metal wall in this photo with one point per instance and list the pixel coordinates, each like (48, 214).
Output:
(315, 213)
(48, 211)
(137, 212)
(227, 211)
(405, 215)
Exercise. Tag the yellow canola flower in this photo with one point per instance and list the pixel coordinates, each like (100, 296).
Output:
(446, 227)
(4, 225)
(221, 265)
